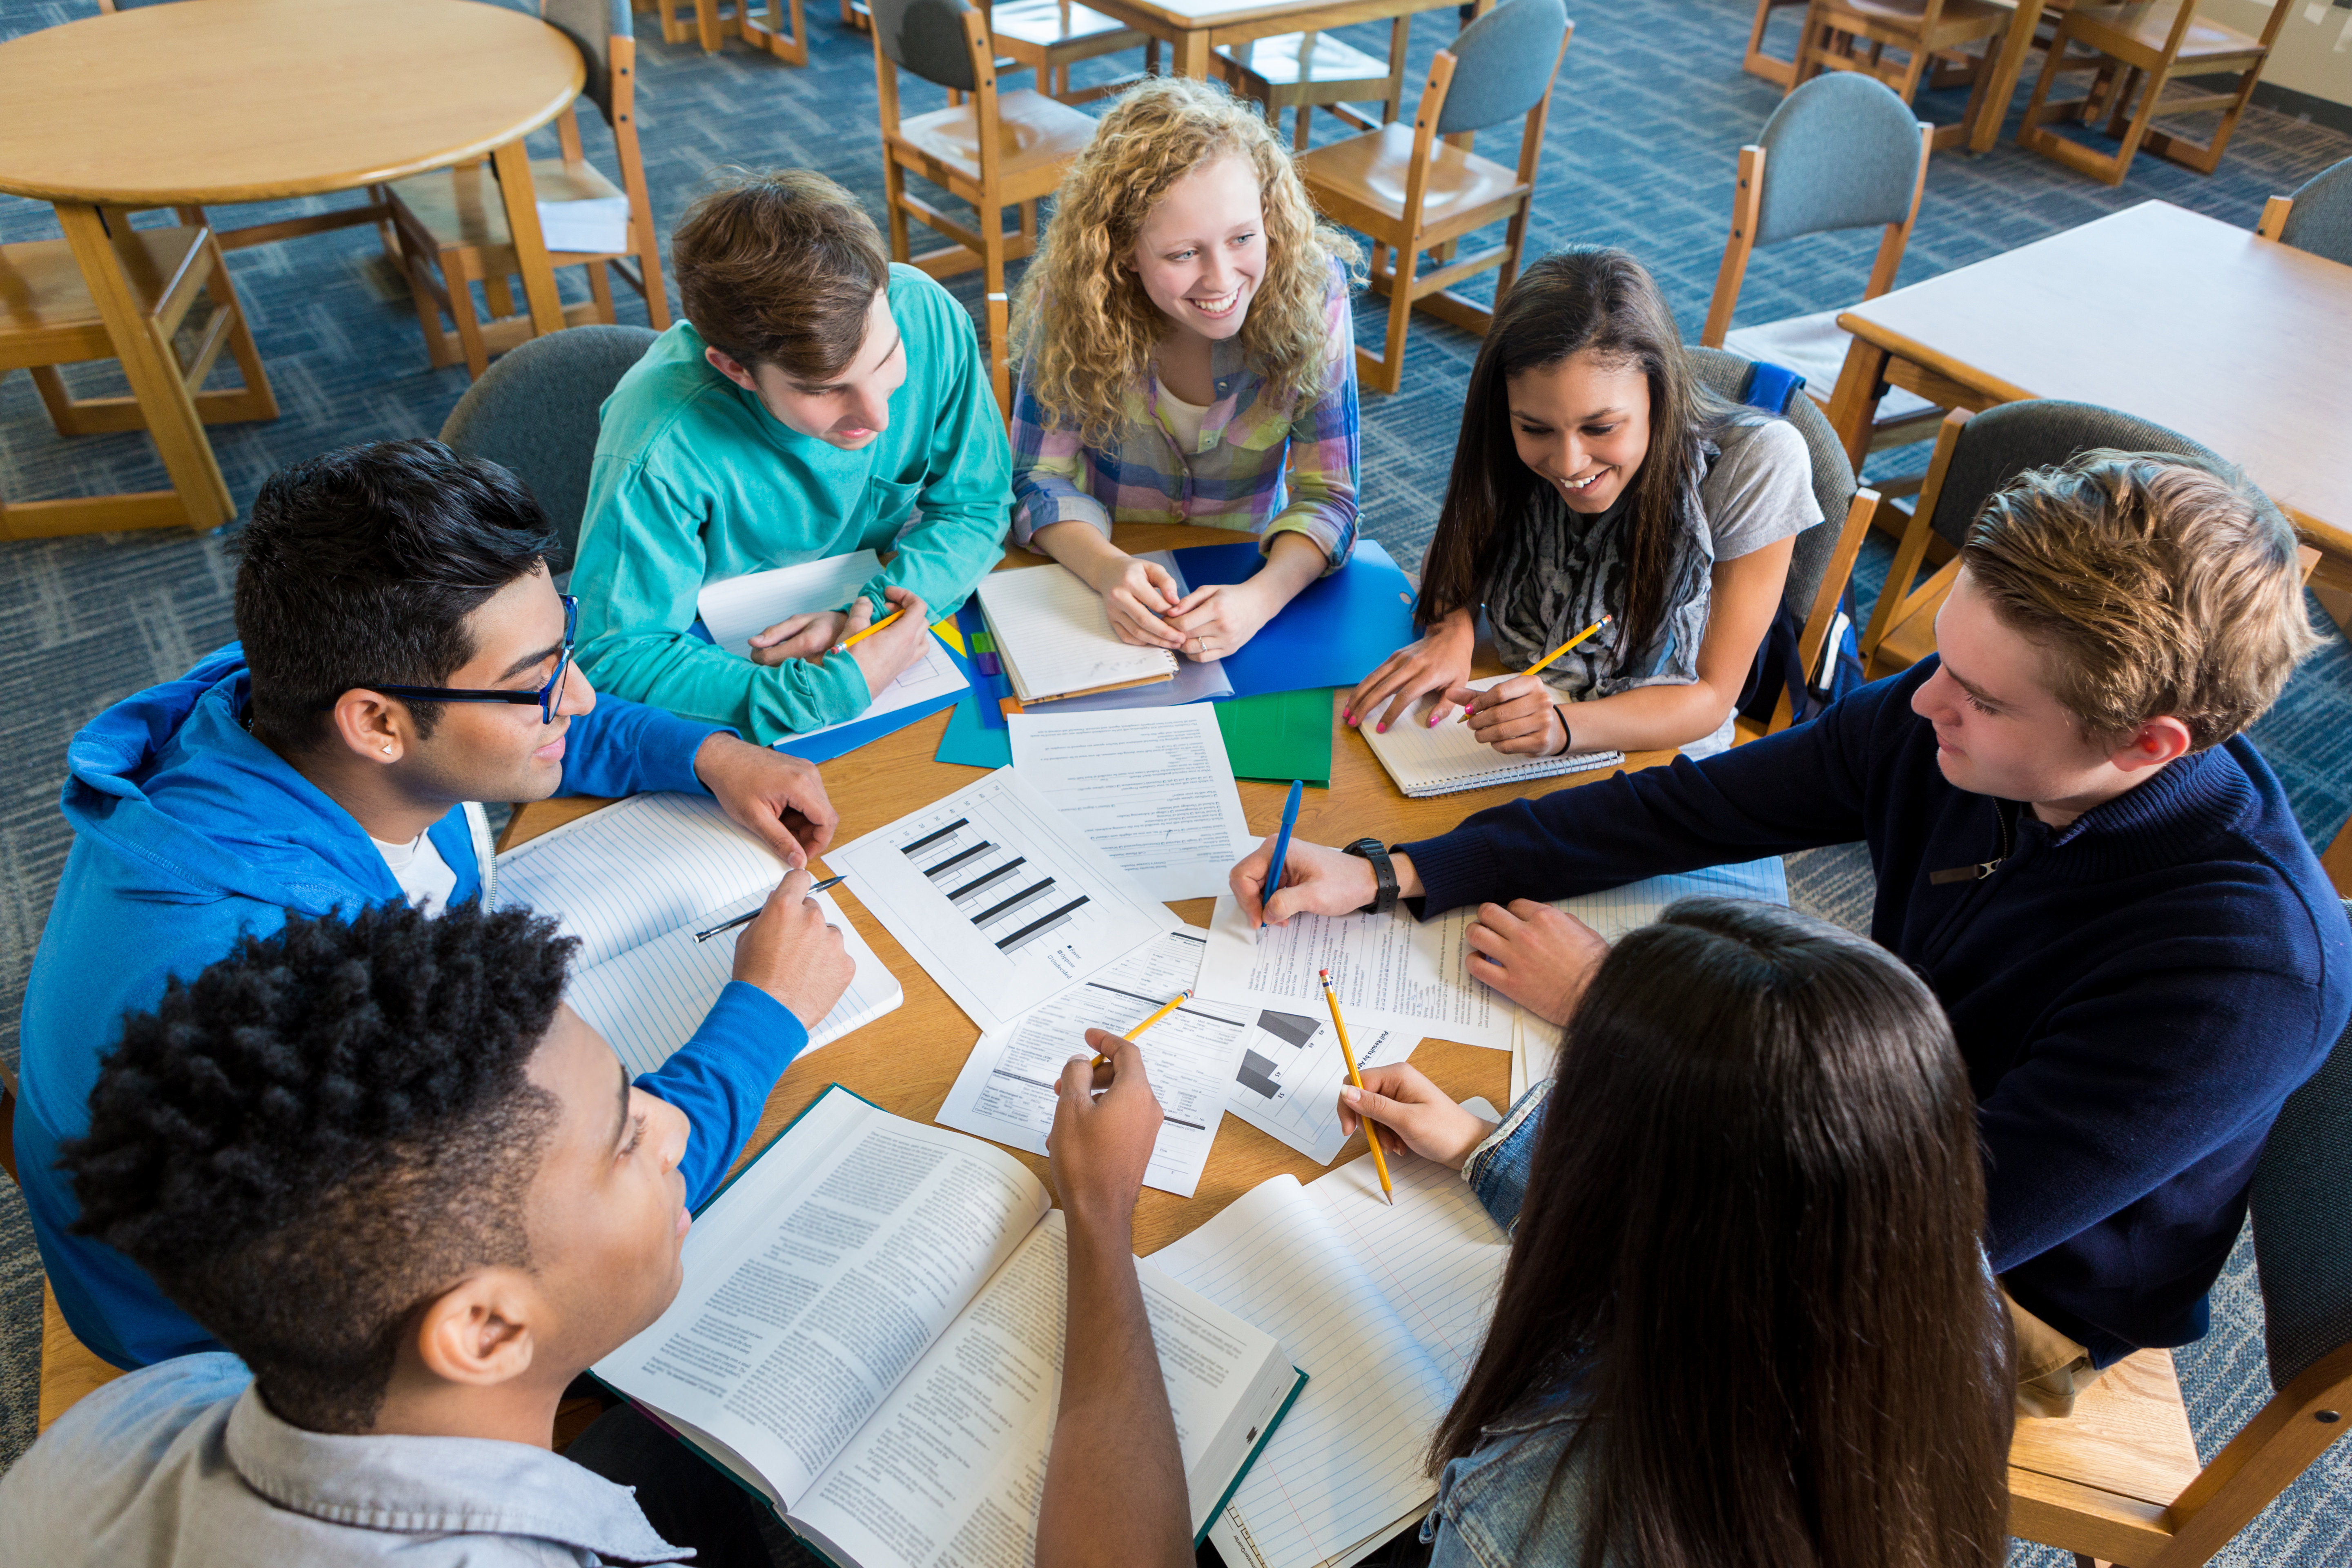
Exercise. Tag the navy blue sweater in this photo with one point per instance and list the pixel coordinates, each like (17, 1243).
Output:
(2135, 994)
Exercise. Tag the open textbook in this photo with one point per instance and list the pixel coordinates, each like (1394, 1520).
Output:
(870, 1337)
(634, 881)
(1383, 1309)
(1056, 638)
(1446, 758)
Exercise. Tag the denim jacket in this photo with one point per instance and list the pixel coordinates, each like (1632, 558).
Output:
(1497, 1169)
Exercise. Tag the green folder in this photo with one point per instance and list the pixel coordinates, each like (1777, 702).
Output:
(1281, 736)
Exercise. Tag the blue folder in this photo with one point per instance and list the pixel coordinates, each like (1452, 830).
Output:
(824, 747)
(1335, 633)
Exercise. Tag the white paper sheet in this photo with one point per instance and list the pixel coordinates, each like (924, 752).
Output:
(598, 226)
(1006, 1090)
(999, 896)
(1390, 964)
(737, 608)
(1152, 790)
(1288, 1082)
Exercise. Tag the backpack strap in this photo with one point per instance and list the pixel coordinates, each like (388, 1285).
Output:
(1769, 387)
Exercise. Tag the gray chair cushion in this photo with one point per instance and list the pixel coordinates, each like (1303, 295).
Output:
(926, 37)
(2321, 221)
(2301, 1207)
(534, 412)
(1721, 372)
(2002, 442)
(592, 25)
(1505, 59)
(1840, 152)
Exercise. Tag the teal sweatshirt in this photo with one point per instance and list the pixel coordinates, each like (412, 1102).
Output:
(694, 482)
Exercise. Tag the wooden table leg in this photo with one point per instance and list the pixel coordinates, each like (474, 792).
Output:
(2006, 60)
(521, 199)
(1189, 54)
(1854, 401)
(154, 371)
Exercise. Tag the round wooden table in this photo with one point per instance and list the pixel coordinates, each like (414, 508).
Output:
(246, 101)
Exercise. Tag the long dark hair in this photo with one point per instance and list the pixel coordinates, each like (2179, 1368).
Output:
(1754, 1215)
(1565, 303)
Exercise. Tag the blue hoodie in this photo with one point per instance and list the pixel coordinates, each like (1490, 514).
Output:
(189, 833)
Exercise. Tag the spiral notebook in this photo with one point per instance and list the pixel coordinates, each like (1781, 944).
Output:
(1449, 758)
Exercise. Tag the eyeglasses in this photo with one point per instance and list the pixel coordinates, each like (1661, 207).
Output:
(546, 699)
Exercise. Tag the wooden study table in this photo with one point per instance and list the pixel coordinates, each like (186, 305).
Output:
(907, 1061)
(2234, 340)
(250, 100)
(1194, 29)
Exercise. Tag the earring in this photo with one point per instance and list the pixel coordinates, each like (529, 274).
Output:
(387, 748)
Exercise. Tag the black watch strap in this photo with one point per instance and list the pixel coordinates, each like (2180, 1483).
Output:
(1376, 852)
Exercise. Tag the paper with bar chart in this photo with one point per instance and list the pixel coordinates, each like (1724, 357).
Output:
(1390, 964)
(1287, 1081)
(999, 896)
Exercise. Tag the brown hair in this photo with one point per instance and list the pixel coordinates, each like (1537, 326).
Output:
(1752, 1224)
(1571, 301)
(780, 267)
(2161, 585)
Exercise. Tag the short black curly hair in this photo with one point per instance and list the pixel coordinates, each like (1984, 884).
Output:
(323, 1131)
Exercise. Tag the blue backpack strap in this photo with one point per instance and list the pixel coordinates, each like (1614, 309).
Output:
(1769, 387)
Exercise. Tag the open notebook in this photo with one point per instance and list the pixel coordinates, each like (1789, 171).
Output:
(1384, 1310)
(1054, 637)
(634, 882)
(1447, 758)
(870, 1338)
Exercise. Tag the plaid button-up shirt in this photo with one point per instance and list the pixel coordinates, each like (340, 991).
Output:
(1261, 467)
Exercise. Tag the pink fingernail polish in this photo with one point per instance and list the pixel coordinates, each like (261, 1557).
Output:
(1385, 728)
(1346, 715)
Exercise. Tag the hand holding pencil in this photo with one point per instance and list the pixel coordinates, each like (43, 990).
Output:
(1518, 715)
(1355, 1078)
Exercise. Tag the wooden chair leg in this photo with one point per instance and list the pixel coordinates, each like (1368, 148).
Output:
(498, 293)
(2150, 91)
(259, 398)
(1392, 375)
(2118, 116)
(894, 200)
(600, 290)
(458, 277)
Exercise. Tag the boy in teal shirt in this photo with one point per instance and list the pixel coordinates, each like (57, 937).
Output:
(817, 400)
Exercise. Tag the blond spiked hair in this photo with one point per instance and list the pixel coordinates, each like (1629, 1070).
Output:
(1095, 342)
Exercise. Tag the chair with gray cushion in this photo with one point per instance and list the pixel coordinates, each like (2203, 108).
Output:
(1822, 561)
(535, 413)
(1974, 457)
(1840, 153)
(1423, 189)
(2072, 1490)
(2317, 218)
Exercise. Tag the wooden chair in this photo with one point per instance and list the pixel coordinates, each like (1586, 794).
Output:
(48, 318)
(452, 222)
(2148, 44)
(1417, 189)
(1822, 563)
(1049, 37)
(776, 27)
(2317, 217)
(1840, 153)
(1836, 30)
(1975, 456)
(1308, 70)
(2118, 1479)
(1756, 62)
(996, 150)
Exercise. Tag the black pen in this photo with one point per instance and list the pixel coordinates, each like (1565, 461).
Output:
(746, 918)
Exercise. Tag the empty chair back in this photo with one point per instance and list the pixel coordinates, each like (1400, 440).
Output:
(1722, 373)
(592, 25)
(535, 412)
(1503, 65)
(2002, 442)
(1840, 152)
(2321, 221)
(2303, 1246)
(925, 36)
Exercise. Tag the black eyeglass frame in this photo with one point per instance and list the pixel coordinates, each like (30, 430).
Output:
(545, 698)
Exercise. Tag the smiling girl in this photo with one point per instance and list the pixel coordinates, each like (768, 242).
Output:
(1187, 356)
(1593, 477)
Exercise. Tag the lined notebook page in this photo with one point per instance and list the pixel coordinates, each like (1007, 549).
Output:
(622, 876)
(736, 609)
(649, 1000)
(1055, 636)
(1427, 760)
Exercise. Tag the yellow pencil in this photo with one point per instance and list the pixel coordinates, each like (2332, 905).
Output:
(850, 642)
(1347, 1054)
(1173, 1002)
(1545, 663)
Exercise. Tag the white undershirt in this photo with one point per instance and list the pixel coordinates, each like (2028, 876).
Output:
(421, 872)
(1184, 419)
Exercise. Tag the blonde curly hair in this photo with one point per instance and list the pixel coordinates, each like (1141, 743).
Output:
(1081, 355)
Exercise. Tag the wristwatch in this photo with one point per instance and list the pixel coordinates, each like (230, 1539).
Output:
(1376, 853)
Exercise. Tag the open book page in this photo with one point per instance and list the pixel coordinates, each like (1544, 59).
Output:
(623, 875)
(1056, 638)
(1390, 964)
(952, 1468)
(1426, 758)
(817, 1277)
(1197, 679)
(648, 1001)
(1287, 1084)
(1007, 1089)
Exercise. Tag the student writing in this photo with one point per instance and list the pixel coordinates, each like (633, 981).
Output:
(1188, 356)
(1595, 476)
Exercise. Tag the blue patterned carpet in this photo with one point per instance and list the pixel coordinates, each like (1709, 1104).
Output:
(1644, 130)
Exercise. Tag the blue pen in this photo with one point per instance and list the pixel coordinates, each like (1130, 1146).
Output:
(1281, 846)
